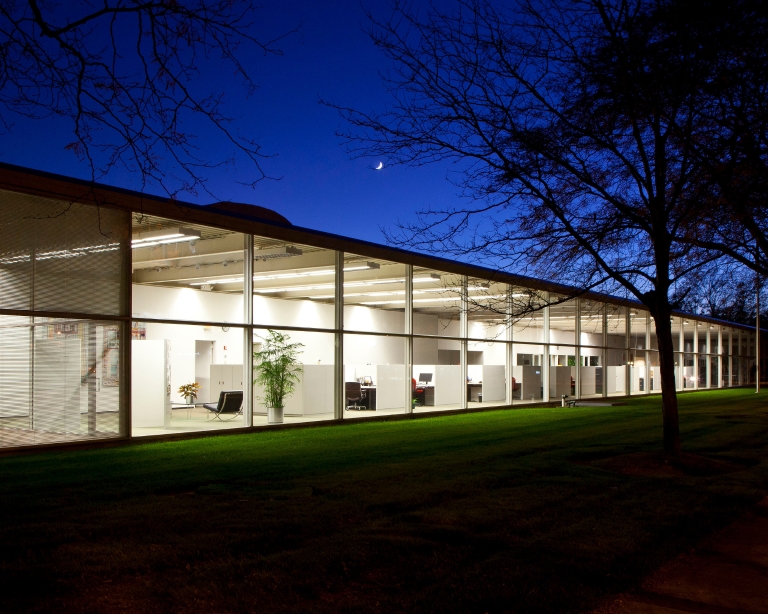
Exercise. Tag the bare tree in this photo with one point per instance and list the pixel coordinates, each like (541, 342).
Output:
(573, 128)
(732, 40)
(126, 74)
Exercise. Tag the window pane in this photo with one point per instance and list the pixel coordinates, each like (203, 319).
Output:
(701, 332)
(617, 326)
(165, 357)
(714, 341)
(528, 372)
(527, 315)
(703, 361)
(654, 373)
(374, 295)
(689, 377)
(186, 271)
(616, 372)
(312, 398)
(377, 364)
(437, 371)
(639, 322)
(486, 373)
(293, 285)
(562, 322)
(638, 373)
(487, 306)
(562, 371)
(714, 372)
(436, 303)
(60, 380)
(592, 323)
(688, 327)
(61, 256)
(591, 373)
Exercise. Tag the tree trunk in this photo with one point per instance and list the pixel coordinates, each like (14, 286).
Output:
(668, 387)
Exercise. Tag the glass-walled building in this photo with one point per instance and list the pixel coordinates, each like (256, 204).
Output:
(127, 316)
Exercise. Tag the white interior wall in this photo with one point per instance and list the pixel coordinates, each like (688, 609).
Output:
(561, 337)
(369, 350)
(370, 320)
(525, 333)
(494, 353)
(424, 324)
(186, 304)
(310, 314)
(490, 332)
(425, 351)
(317, 350)
(448, 328)
(591, 339)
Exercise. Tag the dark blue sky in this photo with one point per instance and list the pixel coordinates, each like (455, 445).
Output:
(321, 186)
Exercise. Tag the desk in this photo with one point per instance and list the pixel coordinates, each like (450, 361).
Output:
(475, 392)
(427, 397)
(369, 402)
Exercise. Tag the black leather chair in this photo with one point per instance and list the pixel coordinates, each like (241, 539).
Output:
(353, 391)
(230, 404)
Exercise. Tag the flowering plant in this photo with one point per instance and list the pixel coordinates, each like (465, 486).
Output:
(190, 390)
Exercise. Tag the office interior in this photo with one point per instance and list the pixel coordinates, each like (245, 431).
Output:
(408, 338)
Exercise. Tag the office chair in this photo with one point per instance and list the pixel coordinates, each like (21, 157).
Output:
(418, 392)
(353, 392)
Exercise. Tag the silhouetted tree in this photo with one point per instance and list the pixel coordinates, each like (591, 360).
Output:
(126, 75)
(731, 39)
(574, 127)
(726, 291)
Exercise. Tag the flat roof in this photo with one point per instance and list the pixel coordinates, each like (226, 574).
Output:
(58, 187)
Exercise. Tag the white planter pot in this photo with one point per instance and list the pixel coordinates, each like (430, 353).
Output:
(274, 415)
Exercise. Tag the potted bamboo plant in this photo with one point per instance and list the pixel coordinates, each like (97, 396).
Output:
(276, 368)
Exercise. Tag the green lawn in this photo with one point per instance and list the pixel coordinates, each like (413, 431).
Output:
(479, 512)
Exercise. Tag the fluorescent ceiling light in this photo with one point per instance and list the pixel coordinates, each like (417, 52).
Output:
(73, 252)
(232, 280)
(395, 280)
(428, 300)
(363, 267)
(279, 252)
(292, 275)
(164, 236)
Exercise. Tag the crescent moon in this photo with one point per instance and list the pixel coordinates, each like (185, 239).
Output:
(380, 166)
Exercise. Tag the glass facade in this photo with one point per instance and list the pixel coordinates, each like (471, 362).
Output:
(118, 324)
(63, 315)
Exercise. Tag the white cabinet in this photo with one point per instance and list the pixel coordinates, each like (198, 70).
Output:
(225, 377)
(313, 393)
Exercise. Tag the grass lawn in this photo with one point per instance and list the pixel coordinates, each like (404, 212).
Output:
(484, 512)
